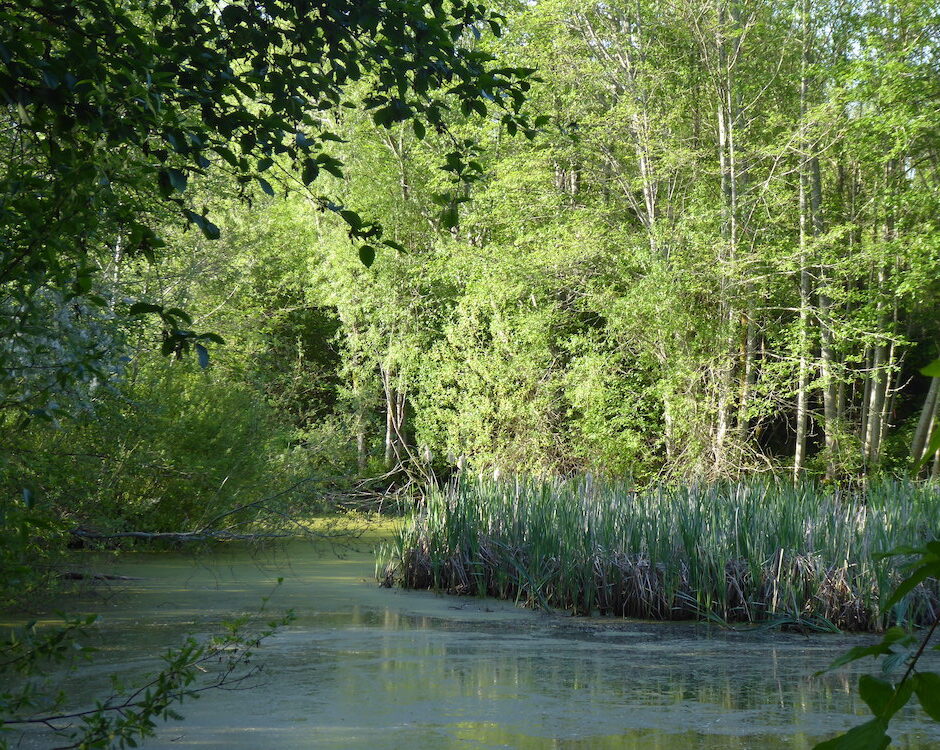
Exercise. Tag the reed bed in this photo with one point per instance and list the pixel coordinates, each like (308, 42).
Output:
(756, 551)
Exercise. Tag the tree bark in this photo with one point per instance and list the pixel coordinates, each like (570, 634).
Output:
(802, 394)
(926, 422)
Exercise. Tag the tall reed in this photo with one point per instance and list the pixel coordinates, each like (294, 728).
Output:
(745, 552)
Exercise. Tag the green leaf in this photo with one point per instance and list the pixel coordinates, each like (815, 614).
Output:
(351, 218)
(896, 634)
(367, 255)
(203, 354)
(265, 186)
(876, 693)
(883, 698)
(264, 163)
(904, 549)
(178, 179)
(927, 687)
(933, 446)
(310, 171)
(450, 217)
(909, 584)
(140, 308)
(176, 312)
(868, 736)
(210, 230)
(214, 338)
(333, 167)
(932, 370)
(858, 652)
(419, 129)
(227, 154)
(82, 284)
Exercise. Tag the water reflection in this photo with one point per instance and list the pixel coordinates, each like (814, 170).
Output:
(364, 667)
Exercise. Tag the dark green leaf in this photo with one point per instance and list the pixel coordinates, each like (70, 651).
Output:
(367, 255)
(176, 312)
(932, 370)
(265, 186)
(927, 687)
(450, 217)
(333, 167)
(351, 218)
(139, 308)
(178, 179)
(868, 736)
(933, 445)
(210, 230)
(858, 652)
(310, 171)
(910, 583)
(203, 355)
(881, 696)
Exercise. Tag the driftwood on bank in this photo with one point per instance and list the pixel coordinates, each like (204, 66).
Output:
(74, 575)
(209, 532)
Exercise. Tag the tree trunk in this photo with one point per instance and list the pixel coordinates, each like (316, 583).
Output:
(827, 358)
(729, 188)
(390, 410)
(926, 422)
(876, 399)
(802, 392)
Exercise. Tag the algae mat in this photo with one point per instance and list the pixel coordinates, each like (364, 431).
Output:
(365, 667)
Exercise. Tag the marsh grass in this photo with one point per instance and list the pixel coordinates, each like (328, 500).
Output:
(755, 551)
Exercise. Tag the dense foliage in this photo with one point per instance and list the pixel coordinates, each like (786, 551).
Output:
(719, 255)
(122, 125)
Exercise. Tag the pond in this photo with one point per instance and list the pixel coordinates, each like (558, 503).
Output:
(366, 667)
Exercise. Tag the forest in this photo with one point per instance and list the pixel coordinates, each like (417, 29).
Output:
(577, 289)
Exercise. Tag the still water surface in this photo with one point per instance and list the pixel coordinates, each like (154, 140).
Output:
(365, 667)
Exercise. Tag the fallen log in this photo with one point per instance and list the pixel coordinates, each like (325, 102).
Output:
(74, 575)
(177, 536)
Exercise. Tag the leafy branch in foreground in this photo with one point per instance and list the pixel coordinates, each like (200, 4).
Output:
(898, 647)
(127, 715)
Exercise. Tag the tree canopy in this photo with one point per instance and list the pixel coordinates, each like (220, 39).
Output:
(113, 109)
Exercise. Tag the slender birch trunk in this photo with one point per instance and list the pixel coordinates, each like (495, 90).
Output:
(802, 393)
(390, 409)
(727, 116)
(926, 422)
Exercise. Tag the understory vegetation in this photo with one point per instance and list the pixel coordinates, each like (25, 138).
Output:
(760, 551)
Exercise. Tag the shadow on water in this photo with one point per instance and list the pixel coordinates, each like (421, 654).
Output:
(364, 667)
